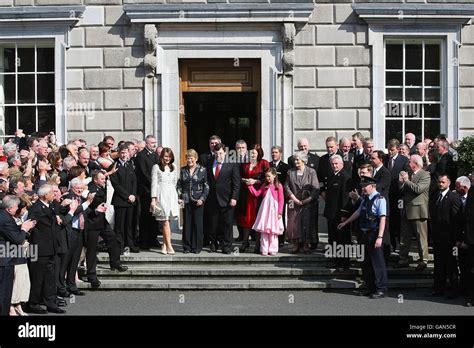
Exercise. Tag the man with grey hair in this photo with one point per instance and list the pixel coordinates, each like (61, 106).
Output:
(421, 150)
(10, 234)
(325, 167)
(313, 159)
(346, 154)
(43, 284)
(414, 187)
(10, 149)
(338, 186)
(410, 140)
(446, 163)
(242, 152)
(148, 226)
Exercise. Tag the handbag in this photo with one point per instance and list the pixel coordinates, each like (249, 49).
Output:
(158, 212)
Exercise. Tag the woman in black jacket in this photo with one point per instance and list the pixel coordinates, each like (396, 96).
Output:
(192, 192)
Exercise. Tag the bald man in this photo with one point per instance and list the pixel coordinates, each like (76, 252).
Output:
(410, 141)
(313, 159)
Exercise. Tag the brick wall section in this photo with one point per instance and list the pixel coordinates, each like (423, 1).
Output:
(332, 74)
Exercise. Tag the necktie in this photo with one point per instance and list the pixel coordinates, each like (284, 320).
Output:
(440, 198)
(392, 162)
(81, 221)
(218, 170)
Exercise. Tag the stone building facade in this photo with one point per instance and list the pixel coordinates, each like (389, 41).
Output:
(323, 68)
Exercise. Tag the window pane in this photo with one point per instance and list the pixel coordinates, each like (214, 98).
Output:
(394, 79)
(393, 129)
(8, 59)
(26, 88)
(27, 118)
(10, 120)
(45, 88)
(413, 94)
(46, 119)
(394, 54)
(431, 78)
(413, 126)
(26, 59)
(432, 110)
(413, 56)
(432, 94)
(413, 110)
(45, 57)
(432, 57)
(413, 79)
(432, 128)
(394, 94)
(9, 88)
(393, 110)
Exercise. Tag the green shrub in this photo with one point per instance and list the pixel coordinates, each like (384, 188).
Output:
(465, 155)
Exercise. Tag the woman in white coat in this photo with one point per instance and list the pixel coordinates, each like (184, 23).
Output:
(164, 197)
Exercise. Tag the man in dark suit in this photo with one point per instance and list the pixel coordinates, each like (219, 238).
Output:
(410, 141)
(282, 172)
(346, 154)
(446, 164)
(145, 160)
(395, 163)
(97, 225)
(205, 158)
(444, 213)
(469, 241)
(337, 195)
(84, 161)
(124, 182)
(76, 234)
(313, 159)
(10, 234)
(224, 185)
(43, 284)
(325, 168)
(463, 185)
(363, 158)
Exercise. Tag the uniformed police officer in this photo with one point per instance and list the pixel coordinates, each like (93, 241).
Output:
(372, 215)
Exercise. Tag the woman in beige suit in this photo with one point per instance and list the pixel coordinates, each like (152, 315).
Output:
(302, 190)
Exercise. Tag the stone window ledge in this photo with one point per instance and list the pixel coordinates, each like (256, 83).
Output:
(47, 15)
(403, 13)
(227, 13)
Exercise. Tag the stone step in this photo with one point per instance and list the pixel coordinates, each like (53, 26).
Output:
(246, 271)
(248, 284)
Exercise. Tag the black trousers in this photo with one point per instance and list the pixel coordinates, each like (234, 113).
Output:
(59, 261)
(465, 266)
(470, 274)
(341, 237)
(374, 269)
(67, 273)
(6, 288)
(220, 232)
(148, 224)
(193, 233)
(108, 235)
(394, 223)
(123, 226)
(444, 262)
(43, 284)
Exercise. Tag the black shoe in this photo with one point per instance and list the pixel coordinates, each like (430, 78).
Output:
(77, 292)
(36, 309)
(420, 267)
(435, 293)
(213, 248)
(468, 304)
(363, 292)
(134, 250)
(56, 310)
(402, 265)
(196, 251)
(313, 246)
(120, 268)
(239, 239)
(227, 252)
(145, 247)
(378, 294)
(95, 284)
(64, 294)
(244, 247)
(60, 302)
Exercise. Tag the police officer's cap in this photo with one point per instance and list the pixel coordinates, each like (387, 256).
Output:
(367, 180)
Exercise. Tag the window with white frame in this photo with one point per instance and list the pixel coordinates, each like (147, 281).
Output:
(27, 90)
(413, 88)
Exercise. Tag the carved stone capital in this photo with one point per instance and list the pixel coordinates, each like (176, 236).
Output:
(150, 42)
(288, 37)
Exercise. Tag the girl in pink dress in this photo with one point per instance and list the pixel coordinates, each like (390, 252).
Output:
(269, 222)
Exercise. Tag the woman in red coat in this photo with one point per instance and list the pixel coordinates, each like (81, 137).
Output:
(252, 173)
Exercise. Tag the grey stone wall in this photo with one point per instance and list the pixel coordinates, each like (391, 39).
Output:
(332, 73)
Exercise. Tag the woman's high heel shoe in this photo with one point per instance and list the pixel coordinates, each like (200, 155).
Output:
(163, 250)
(244, 247)
(171, 251)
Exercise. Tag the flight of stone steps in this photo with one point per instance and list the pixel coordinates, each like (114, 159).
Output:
(155, 271)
